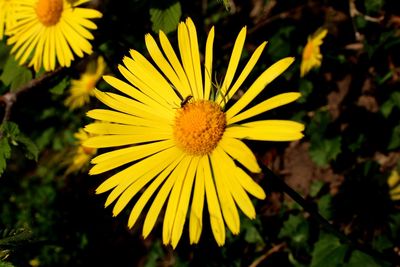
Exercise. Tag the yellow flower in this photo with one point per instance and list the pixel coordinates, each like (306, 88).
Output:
(7, 16)
(82, 154)
(394, 185)
(81, 90)
(47, 31)
(311, 53)
(190, 150)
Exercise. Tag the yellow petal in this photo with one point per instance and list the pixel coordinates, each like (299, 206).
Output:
(144, 198)
(268, 130)
(228, 207)
(196, 211)
(248, 183)
(271, 103)
(208, 64)
(234, 61)
(265, 78)
(214, 209)
(183, 203)
(239, 151)
(243, 75)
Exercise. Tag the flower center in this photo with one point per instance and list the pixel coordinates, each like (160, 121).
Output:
(308, 51)
(49, 11)
(199, 126)
(88, 150)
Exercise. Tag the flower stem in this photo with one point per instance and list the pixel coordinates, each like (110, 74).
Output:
(314, 214)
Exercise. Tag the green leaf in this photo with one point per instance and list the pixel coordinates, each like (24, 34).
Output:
(4, 54)
(15, 75)
(373, 6)
(306, 88)
(32, 151)
(296, 228)
(315, 187)
(166, 19)
(227, 4)
(60, 87)
(325, 150)
(359, 258)
(328, 252)
(381, 243)
(395, 139)
(5, 153)
(325, 206)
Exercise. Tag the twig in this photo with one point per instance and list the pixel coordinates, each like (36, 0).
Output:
(10, 98)
(318, 217)
(271, 251)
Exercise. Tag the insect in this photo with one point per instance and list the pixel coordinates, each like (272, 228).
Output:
(186, 100)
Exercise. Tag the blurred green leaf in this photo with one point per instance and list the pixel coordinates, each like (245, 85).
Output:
(328, 252)
(382, 242)
(373, 6)
(5, 264)
(226, 3)
(166, 19)
(4, 54)
(306, 88)
(325, 206)
(15, 75)
(32, 151)
(60, 87)
(359, 258)
(5, 153)
(325, 150)
(315, 187)
(156, 253)
(395, 139)
(296, 228)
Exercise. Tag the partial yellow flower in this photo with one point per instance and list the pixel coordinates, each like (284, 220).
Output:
(7, 16)
(81, 90)
(394, 185)
(82, 154)
(172, 134)
(312, 56)
(51, 31)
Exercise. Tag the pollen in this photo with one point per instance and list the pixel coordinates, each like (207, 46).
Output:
(199, 126)
(49, 11)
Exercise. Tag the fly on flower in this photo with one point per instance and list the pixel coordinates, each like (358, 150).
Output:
(187, 159)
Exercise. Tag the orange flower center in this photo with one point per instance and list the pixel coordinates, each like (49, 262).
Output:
(308, 51)
(199, 127)
(49, 11)
(88, 150)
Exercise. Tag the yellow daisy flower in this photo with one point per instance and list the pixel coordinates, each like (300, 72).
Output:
(394, 185)
(82, 154)
(47, 31)
(189, 151)
(312, 56)
(7, 16)
(81, 90)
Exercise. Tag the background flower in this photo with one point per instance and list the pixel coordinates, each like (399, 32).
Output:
(312, 56)
(7, 16)
(51, 31)
(81, 90)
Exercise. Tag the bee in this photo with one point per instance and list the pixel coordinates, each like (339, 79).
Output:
(186, 100)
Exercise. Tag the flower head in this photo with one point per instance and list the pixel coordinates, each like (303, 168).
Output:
(50, 31)
(177, 143)
(81, 90)
(312, 56)
(7, 16)
(82, 154)
(394, 185)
